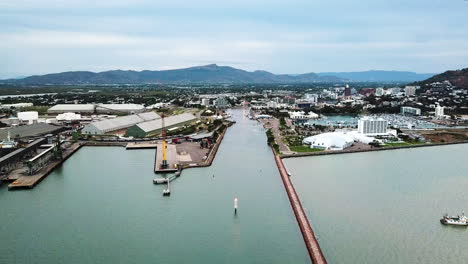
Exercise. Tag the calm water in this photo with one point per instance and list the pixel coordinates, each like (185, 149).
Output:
(384, 207)
(102, 207)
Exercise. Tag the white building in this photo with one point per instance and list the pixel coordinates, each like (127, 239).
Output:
(439, 111)
(205, 101)
(300, 115)
(311, 98)
(379, 91)
(330, 141)
(68, 117)
(370, 126)
(30, 117)
(410, 90)
(18, 105)
(410, 110)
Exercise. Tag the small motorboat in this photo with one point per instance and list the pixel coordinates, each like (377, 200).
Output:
(166, 192)
(460, 220)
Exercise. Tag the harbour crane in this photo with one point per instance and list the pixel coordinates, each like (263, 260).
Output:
(163, 135)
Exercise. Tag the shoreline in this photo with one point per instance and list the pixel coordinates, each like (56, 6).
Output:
(321, 153)
(312, 245)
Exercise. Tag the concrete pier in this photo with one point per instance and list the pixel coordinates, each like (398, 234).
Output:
(311, 242)
(172, 161)
(141, 145)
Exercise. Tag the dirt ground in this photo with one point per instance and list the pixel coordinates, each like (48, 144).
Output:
(445, 135)
(190, 152)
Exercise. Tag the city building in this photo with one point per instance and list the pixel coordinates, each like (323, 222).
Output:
(367, 91)
(222, 102)
(439, 112)
(301, 103)
(154, 127)
(312, 98)
(347, 91)
(205, 101)
(300, 115)
(371, 126)
(410, 90)
(289, 100)
(118, 125)
(28, 117)
(410, 110)
(379, 91)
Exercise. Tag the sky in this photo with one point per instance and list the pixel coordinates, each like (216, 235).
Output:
(289, 36)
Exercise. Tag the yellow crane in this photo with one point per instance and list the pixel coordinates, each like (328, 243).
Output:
(163, 135)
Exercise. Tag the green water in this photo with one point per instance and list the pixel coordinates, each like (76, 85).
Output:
(384, 207)
(102, 207)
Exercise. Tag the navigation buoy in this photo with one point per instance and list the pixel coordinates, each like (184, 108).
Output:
(235, 205)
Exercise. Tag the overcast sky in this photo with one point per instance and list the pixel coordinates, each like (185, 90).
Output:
(289, 36)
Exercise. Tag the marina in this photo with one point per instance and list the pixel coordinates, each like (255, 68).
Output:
(391, 212)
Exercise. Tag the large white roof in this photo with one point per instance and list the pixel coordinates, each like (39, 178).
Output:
(72, 107)
(124, 121)
(121, 107)
(168, 121)
(330, 140)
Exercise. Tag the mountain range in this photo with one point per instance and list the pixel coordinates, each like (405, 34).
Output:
(380, 76)
(208, 74)
(458, 78)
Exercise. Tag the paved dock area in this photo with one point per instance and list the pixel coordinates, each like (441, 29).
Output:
(141, 145)
(309, 237)
(29, 181)
(172, 159)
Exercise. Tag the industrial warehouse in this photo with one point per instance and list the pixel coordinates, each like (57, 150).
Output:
(96, 108)
(118, 123)
(155, 126)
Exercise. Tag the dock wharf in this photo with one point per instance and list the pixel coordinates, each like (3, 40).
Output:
(310, 240)
(141, 145)
(172, 160)
(26, 181)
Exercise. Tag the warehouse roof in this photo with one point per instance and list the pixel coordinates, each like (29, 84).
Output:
(33, 130)
(72, 107)
(168, 121)
(120, 107)
(124, 121)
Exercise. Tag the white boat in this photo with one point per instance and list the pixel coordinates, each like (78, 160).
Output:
(460, 220)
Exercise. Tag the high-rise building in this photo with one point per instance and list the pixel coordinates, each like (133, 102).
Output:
(410, 90)
(439, 111)
(410, 110)
(370, 126)
(347, 90)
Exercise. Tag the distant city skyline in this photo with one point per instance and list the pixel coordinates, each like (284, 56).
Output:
(299, 36)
